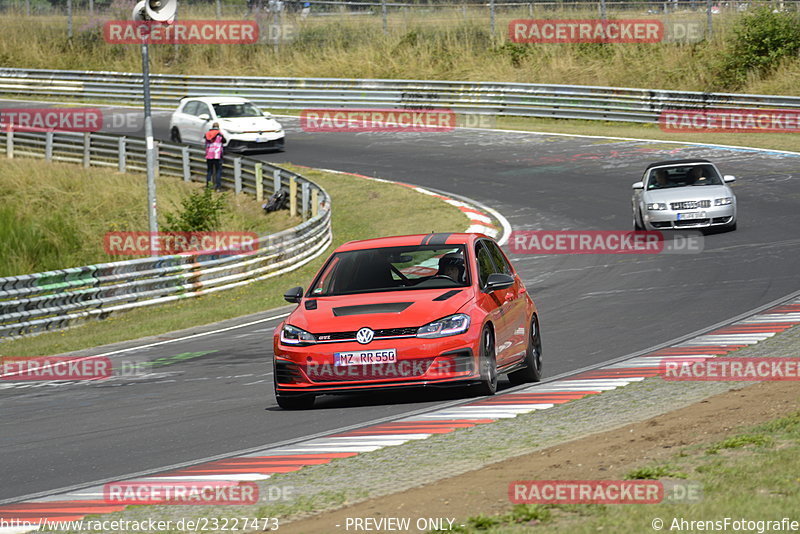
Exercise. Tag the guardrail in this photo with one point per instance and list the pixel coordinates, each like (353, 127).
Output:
(57, 299)
(481, 98)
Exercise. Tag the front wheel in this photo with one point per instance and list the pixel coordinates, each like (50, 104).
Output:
(488, 363)
(175, 135)
(638, 226)
(533, 357)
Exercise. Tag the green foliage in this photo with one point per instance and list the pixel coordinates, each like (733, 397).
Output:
(761, 40)
(654, 473)
(737, 442)
(201, 211)
(515, 52)
(523, 513)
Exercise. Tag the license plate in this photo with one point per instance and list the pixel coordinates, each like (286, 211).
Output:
(687, 216)
(365, 357)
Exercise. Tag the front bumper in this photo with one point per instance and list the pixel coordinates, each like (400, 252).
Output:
(244, 142)
(704, 218)
(420, 362)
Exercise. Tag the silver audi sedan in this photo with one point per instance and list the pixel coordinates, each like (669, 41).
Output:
(688, 193)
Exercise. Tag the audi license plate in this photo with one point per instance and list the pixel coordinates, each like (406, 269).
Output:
(688, 216)
(365, 357)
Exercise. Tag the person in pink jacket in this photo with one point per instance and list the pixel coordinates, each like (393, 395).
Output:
(215, 142)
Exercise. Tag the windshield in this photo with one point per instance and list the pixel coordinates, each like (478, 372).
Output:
(684, 175)
(392, 269)
(233, 111)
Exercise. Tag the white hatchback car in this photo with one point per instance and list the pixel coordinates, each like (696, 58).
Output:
(244, 125)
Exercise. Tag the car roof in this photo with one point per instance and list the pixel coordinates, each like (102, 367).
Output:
(445, 238)
(676, 162)
(217, 99)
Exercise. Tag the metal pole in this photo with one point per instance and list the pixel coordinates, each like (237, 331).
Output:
(219, 9)
(384, 13)
(491, 14)
(176, 46)
(69, 19)
(151, 153)
(27, 8)
(602, 9)
(709, 26)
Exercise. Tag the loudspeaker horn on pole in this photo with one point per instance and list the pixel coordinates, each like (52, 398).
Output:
(139, 13)
(161, 10)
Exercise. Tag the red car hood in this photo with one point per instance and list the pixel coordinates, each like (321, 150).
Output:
(395, 309)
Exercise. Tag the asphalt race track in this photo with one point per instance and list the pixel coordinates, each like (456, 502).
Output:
(593, 307)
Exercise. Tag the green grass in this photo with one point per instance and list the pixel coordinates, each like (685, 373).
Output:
(737, 442)
(55, 215)
(420, 44)
(760, 482)
(362, 209)
(654, 473)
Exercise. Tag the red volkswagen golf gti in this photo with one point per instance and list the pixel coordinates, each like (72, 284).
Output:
(418, 310)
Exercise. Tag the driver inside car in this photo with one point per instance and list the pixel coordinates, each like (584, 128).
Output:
(452, 266)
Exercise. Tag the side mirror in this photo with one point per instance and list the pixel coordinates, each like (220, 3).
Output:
(498, 281)
(294, 295)
(204, 117)
(267, 115)
(728, 178)
(638, 185)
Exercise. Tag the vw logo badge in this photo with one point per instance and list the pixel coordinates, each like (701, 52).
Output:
(364, 336)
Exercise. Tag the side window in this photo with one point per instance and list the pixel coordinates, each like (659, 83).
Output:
(191, 108)
(202, 107)
(499, 258)
(485, 265)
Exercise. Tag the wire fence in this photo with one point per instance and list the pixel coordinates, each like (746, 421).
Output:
(57, 299)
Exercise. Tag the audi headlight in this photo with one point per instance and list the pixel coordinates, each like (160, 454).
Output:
(723, 201)
(656, 206)
(291, 335)
(447, 326)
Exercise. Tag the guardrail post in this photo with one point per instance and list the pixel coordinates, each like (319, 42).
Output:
(258, 171)
(10, 142)
(187, 169)
(121, 149)
(48, 146)
(276, 180)
(304, 200)
(87, 144)
(314, 202)
(237, 175)
(292, 196)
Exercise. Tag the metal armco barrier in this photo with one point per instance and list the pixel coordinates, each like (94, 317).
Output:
(57, 299)
(482, 98)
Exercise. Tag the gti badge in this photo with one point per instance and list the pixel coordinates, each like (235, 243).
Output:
(364, 336)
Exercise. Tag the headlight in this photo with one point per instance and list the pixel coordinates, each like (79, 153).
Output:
(291, 335)
(656, 206)
(448, 326)
(723, 201)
